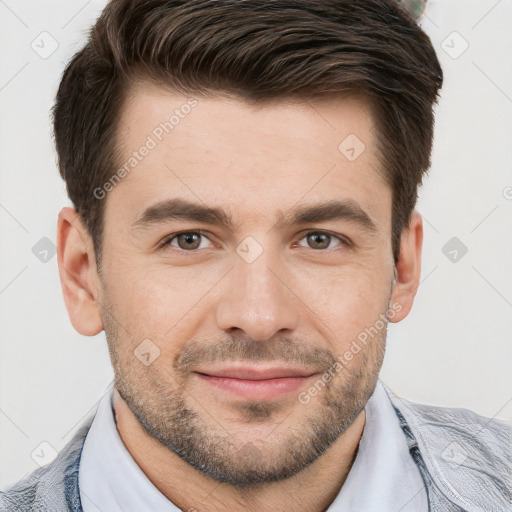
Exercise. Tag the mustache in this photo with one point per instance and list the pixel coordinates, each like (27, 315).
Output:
(237, 348)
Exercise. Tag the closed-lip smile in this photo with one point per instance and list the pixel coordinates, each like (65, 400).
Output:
(257, 382)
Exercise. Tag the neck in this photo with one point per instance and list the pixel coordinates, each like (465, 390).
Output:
(314, 488)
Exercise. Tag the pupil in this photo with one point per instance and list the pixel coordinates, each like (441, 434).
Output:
(189, 238)
(318, 237)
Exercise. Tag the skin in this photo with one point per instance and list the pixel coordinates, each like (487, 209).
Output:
(302, 302)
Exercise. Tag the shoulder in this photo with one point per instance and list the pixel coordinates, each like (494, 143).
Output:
(52, 487)
(468, 456)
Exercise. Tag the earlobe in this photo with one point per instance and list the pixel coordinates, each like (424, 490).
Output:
(408, 268)
(78, 273)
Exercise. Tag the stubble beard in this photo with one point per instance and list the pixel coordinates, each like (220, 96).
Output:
(162, 405)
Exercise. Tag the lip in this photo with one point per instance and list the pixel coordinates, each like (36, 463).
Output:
(256, 372)
(256, 382)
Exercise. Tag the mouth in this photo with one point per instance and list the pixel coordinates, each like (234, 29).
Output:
(255, 382)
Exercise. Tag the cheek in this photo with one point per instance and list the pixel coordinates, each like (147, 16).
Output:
(164, 303)
(156, 305)
(346, 302)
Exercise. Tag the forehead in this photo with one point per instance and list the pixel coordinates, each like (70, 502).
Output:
(316, 124)
(264, 156)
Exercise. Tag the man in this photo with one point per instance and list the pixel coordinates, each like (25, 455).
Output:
(244, 176)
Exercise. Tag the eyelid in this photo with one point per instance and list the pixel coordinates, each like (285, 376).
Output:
(342, 239)
(164, 243)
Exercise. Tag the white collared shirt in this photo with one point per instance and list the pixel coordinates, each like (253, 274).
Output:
(383, 477)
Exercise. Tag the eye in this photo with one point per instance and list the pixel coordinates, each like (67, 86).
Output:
(184, 241)
(322, 240)
(190, 241)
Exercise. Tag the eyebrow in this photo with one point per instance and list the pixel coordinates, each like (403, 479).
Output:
(182, 209)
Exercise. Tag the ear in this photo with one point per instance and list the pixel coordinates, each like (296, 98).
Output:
(408, 267)
(78, 273)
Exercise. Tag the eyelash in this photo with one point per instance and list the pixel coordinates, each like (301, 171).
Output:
(165, 243)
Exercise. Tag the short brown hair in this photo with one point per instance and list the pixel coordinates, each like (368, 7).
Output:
(258, 51)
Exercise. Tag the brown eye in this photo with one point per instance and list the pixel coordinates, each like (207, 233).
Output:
(188, 241)
(185, 241)
(319, 240)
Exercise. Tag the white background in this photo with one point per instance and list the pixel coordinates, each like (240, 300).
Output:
(455, 347)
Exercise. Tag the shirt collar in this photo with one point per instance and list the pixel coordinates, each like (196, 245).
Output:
(109, 478)
(383, 477)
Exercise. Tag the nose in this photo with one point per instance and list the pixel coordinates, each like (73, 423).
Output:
(258, 298)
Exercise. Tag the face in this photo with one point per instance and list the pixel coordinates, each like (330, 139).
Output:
(245, 255)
